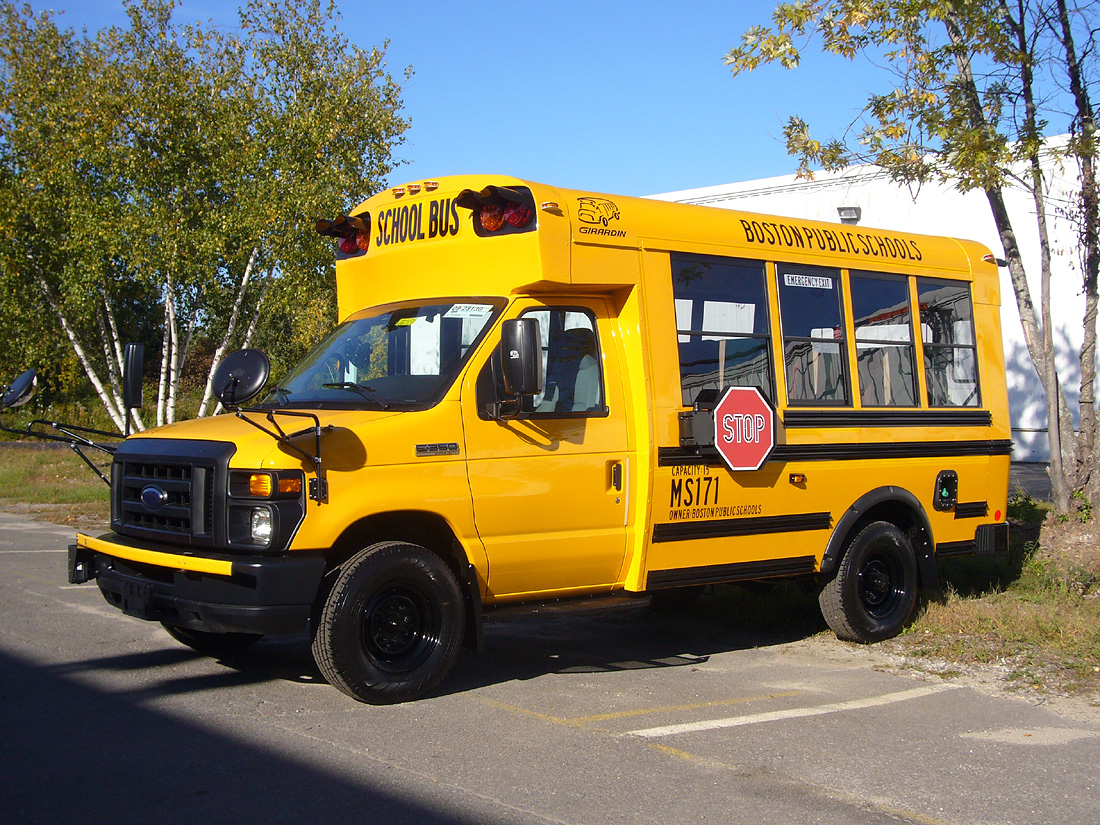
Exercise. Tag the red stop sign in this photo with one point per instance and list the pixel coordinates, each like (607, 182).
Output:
(744, 428)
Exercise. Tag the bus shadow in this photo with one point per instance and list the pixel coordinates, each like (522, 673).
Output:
(629, 636)
(634, 637)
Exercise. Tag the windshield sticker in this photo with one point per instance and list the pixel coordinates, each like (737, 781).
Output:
(469, 311)
(771, 233)
(406, 223)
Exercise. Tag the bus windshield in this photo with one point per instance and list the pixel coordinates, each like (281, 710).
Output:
(402, 359)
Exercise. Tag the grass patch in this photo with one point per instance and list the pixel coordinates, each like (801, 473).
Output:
(54, 483)
(1034, 612)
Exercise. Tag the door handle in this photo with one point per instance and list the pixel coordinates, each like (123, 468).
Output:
(617, 476)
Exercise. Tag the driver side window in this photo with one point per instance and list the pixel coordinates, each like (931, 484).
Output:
(571, 365)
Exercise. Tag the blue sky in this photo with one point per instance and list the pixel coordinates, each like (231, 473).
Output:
(621, 97)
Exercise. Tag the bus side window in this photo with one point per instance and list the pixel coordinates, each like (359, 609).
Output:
(884, 340)
(814, 346)
(721, 325)
(947, 333)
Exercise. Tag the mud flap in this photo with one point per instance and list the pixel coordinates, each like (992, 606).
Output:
(81, 564)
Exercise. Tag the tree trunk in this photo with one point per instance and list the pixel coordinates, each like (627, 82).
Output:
(1088, 451)
(1033, 336)
(162, 383)
(89, 369)
(219, 354)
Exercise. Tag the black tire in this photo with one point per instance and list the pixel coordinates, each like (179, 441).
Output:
(217, 645)
(873, 593)
(391, 627)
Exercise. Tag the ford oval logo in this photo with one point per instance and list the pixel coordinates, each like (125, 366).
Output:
(153, 497)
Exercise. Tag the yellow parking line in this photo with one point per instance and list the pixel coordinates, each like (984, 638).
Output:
(583, 721)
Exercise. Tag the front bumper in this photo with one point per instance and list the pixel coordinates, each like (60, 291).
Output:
(219, 593)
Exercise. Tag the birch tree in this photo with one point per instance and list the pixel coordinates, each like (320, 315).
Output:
(969, 89)
(160, 179)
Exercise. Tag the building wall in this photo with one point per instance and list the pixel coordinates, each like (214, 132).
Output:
(935, 209)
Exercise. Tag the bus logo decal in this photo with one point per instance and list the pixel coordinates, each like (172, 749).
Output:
(596, 211)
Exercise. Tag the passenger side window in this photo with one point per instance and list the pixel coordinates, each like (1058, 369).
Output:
(814, 349)
(947, 333)
(884, 340)
(722, 329)
(572, 371)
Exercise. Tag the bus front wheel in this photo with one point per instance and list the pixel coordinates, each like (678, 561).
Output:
(391, 626)
(873, 593)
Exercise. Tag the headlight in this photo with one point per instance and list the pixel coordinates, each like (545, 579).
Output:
(262, 525)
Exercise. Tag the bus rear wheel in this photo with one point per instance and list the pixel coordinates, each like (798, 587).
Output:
(391, 627)
(874, 591)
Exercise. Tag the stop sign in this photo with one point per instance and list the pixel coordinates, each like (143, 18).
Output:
(744, 428)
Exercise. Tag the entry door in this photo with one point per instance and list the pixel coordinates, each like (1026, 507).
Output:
(550, 485)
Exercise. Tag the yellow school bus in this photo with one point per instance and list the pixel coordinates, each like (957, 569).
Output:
(537, 393)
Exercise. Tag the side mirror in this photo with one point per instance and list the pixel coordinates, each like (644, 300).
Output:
(133, 366)
(240, 376)
(521, 356)
(20, 391)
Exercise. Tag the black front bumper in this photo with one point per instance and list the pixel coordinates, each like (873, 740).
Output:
(262, 594)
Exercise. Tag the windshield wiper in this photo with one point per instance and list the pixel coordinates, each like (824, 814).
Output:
(368, 393)
(283, 393)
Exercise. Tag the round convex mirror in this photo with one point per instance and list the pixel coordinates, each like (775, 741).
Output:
(21, 390)
(240, 376)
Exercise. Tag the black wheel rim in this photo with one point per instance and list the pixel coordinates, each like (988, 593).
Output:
(400, 627)
(880, 585)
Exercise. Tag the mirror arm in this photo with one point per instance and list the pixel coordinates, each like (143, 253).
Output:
(79, 450)
(72, 431)
(317, 491)
(77, 443)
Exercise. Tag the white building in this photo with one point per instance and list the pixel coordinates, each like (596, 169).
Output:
(939, 210)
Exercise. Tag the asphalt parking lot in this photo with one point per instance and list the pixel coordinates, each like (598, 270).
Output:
(616, 715)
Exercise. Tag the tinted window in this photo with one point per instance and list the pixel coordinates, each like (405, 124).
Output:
(721, 324)
(813, 335)
(947, 334)
(884, 341)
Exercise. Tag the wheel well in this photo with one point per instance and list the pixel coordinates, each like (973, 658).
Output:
(898, 507)
(426, 529)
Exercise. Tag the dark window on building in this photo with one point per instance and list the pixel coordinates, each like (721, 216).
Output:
(813, 335)
(884, 340)
(947, 333)
(721, 324)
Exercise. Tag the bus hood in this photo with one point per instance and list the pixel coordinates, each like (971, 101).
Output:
(344, 433)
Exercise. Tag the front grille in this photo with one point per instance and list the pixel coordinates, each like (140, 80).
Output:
(166, 492)
(186, 507)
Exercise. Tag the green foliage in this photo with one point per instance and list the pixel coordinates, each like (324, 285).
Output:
(1023, 508)
(951, 75)
(142, 166)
